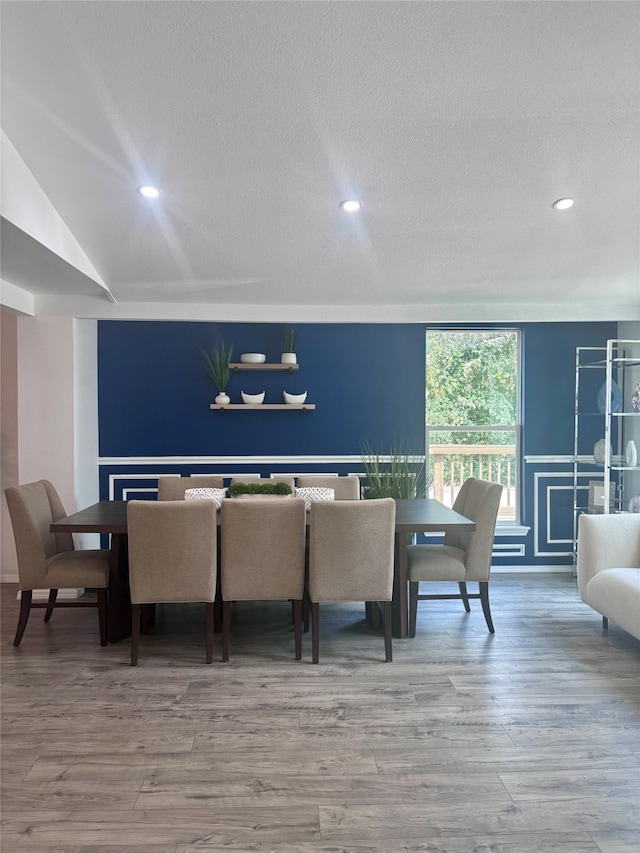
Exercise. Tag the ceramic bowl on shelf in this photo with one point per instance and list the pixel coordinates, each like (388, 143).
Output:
(252, 399)
(292, 399)
(253, 358)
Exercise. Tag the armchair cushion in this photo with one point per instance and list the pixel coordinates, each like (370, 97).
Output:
(88, 569)
(608, 567)
(436, 562)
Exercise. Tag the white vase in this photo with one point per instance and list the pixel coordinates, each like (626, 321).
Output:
(223, 399)
(631, 454)
(288, 358)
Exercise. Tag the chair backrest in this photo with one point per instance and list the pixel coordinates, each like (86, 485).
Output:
(345, 488)
(32, 508)
(173, 488)
(172, 551)
(262, 549)
(478, 500)
(351, 546)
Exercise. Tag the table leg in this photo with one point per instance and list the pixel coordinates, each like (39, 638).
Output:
(400, 621)
(119, 612)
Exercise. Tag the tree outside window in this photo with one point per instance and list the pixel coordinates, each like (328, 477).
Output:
(473, 412)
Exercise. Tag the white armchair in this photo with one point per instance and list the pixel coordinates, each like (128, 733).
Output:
(608, 567)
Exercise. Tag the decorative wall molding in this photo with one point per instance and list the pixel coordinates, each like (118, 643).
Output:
(543, 493)
(235, 460)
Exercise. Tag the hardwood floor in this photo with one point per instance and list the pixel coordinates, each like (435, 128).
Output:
(527, 741)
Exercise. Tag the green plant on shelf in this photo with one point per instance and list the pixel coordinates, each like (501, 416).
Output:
(217, 359)
(288, 339)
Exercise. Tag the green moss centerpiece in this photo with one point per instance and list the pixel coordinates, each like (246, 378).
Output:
(237, 490)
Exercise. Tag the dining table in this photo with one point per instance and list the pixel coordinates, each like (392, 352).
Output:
(423, 515)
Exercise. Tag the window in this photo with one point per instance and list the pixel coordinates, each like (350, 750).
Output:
(473, 412)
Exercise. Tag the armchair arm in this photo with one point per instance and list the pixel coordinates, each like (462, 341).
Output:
(607, 542)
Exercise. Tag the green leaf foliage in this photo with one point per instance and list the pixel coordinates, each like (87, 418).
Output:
(471, 379)
(288, 339)
(217, 359)
(401, 473)
(237, 489)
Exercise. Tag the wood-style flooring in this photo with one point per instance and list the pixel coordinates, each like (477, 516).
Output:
(527, 741)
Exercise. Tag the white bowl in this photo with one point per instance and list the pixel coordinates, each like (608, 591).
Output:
(294, 398)
(253, 358)
(252, 399)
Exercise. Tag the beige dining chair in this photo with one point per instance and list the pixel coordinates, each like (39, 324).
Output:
(172, 558)
(262, 557)
(345, 488)
(49, 560)
(464, 555)
(351, 549)
(173, 488)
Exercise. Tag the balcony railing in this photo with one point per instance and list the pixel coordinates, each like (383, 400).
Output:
(451, 464)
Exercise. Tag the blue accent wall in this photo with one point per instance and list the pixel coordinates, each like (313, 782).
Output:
(367, 381)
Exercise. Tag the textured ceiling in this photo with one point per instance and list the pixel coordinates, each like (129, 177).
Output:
(457, 124)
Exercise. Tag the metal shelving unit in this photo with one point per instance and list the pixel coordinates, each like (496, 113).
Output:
(609, 366)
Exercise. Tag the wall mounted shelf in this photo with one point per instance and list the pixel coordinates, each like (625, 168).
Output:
(301, 407)
(236, 365)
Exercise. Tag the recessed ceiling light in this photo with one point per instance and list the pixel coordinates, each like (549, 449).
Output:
(149, 192)
(351, 206)
(563, 203)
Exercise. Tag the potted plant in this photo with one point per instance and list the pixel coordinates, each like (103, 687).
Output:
(399, 474)
(217, 359)
(237, 490)
(288, 346)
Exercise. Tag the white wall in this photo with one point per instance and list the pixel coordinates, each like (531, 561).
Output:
(45, 410)
(85, 417)
(9, 443)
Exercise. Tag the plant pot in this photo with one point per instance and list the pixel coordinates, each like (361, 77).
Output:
(288, 358)
(222, 399)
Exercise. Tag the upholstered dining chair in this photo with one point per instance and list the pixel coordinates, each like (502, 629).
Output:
(173, 488)
(49, 560)
(172, 558)
(345, 488)
(464, 555)
(351, 548)
(262, 557)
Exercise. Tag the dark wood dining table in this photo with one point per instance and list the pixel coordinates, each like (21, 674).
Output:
(110, 517)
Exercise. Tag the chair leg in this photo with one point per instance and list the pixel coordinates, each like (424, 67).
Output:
(135, 633)
(463, 593)
(25, 607)
(210, 620)
(217, 613)
(297, 626)
(315, 631)
(605, 624)
(53, 594)
(387, 631)
(102, 615)
(306, 610)
(413, 607)
(484, 600)
(226, 629)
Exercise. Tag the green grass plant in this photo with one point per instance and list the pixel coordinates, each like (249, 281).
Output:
(217, 359)
(399, 474)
